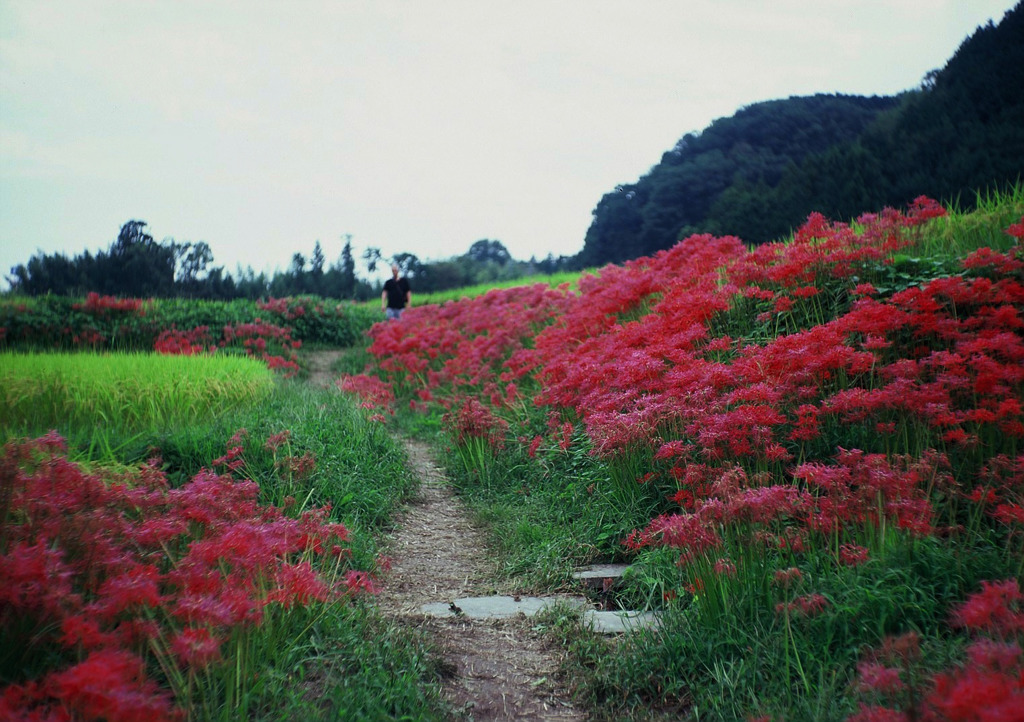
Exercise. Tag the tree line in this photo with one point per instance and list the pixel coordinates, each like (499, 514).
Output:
(759, 173)
(136, 265)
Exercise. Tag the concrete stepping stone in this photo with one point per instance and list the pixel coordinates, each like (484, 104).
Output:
(595, 576)
(618, 622)
(496, 607)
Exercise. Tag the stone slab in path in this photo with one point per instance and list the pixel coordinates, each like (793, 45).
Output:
(596, 574)
(618, 622)
(496, 607)
(503, 607)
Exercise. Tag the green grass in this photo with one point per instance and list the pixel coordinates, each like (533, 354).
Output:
(556, 279)
(546, 520)
(455, 294)
(130, 390)
(337, 662)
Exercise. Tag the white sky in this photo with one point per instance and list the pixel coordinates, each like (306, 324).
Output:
(262, 127)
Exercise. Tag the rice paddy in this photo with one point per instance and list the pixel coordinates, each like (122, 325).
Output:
(130, 390)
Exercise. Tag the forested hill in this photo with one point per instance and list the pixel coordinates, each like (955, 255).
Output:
(759, 173)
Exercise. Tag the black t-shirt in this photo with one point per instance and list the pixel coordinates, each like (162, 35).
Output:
(397, 291)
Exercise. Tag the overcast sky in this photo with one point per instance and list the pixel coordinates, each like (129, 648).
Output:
(262, 127)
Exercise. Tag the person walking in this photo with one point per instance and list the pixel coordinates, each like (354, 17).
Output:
(397, 294)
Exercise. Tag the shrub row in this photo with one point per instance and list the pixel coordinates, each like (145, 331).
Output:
(106, 322)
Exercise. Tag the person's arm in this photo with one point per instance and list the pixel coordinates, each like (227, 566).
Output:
(383, 299)
(408, 298)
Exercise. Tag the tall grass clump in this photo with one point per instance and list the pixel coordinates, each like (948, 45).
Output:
(817, 442)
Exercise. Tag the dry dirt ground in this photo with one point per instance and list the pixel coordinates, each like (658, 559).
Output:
(496, 670)
(320, 362)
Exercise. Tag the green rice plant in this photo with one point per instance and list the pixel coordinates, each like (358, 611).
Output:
(963, 231)
(123, 390)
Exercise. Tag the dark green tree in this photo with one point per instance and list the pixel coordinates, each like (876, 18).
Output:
(488, 251)
(348, 270)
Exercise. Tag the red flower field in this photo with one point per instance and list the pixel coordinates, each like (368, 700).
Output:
(796, 398)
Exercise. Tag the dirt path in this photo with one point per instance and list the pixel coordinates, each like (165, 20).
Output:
(320, 373)
(499, 669)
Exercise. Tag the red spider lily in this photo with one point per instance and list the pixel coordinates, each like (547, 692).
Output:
(376, 394)
(879, 678)
(358, 582)
(297, 467)
(977, 694)
(469, 419)
(90, 563)
(808, 605)
(725, 567)
(196, 647)
(109, 684)
(688, 532)
(275, 441)
(101, 305)
(853, 555)
(988, 686)
(637, 359)
(997, 608)
(788, 577)
(185, 343)
(271, 344)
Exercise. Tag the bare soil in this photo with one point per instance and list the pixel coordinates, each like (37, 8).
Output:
(320, 373)
(498, 670)
(494, 670)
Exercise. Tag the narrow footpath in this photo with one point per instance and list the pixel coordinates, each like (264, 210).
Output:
(497, 669)
(494, 669)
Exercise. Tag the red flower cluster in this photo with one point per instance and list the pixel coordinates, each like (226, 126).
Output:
(464, 346)
(185, 343)
(376, 394)
(638, 356)
(287, 308)
(792, 393)
(988, 687)
(469, 419)
(101, 305)
(267, 342)
(111, 569)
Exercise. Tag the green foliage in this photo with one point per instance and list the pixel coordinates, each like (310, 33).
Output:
(553, 280)
(552, 514)
(62, 322)
(759, 173)
(320, 321)
(751, 149)
(328, 662)
(750, 659)
(979, 224)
